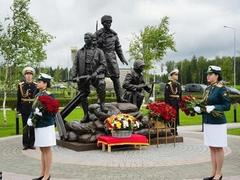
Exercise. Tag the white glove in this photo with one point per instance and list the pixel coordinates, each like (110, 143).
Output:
(37, 112)
(29, 122)
(197, 109)
(209, 109)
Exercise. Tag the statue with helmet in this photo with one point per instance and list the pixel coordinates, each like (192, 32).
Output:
(108, 41)
(134, 84)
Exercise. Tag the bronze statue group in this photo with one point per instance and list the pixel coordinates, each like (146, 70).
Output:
(96, 60)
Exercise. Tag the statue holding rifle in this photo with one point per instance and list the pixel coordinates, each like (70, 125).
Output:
(89, 69)
(134, 85)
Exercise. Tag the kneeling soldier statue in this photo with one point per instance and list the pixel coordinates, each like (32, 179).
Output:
(134, 85)
(89, 69)
(173, 93)
(27, 90)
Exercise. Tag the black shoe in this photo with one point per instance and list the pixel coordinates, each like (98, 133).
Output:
(208, 178)
(38, 178)
(48, 178)
(33, 148)
(25, 148)
(218, 178)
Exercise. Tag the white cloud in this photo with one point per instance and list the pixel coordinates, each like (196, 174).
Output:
(198, 25)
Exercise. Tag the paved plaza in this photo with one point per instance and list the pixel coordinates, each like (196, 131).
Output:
(188, 160)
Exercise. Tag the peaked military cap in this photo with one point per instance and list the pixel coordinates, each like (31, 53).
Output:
(44, 77)
(214, 69)
(175, 71)
(28, 70)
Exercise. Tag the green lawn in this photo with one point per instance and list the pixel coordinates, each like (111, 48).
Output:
(235, 131)
(10, 129)
(78, 113)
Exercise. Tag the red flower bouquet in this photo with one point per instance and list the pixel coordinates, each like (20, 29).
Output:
(49, 104)
(44, 106)
(162, 111)
(188, 103)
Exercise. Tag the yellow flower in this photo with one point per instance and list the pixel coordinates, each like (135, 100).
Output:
(118, 125)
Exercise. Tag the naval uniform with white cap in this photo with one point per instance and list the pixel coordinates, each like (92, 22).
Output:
(215, 129)
(217, 98)
(44, 129)
(173, 93)
(25, 96)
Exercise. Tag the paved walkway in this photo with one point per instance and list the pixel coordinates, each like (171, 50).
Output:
(188, 160)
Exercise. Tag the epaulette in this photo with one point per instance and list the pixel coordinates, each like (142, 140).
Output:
(219, 85)
(48, 92)
(170, 82)
(35, 83)
(21, 83)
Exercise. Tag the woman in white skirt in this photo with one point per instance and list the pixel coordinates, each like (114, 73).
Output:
(44, 128)
(215, 129)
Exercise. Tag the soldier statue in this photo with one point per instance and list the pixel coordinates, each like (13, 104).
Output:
(108, 41)
(27, 90)
(173, 93)
(134, 84)
(88, 69)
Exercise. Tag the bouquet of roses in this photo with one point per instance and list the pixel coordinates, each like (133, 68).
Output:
(44, 105)
(188, 103)
(162, 111)
(121, 122)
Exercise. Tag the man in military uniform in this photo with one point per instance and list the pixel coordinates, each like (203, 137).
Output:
(134, 84)
(89, 68)
(173, 93)
(108, 41)
(25, 97)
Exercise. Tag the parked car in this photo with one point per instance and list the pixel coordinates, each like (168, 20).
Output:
(194, 87)
(233, 90)
(59, 86)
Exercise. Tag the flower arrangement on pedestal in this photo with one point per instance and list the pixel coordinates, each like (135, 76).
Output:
(162, 111)
(121, 125)
(121, 122)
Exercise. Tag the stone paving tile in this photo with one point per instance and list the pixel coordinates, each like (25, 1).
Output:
(13, 160)
(192, 151)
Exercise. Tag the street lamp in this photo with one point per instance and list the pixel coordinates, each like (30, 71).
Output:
(234, 66)
(234, 53)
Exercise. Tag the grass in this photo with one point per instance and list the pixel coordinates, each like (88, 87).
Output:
(235, 131)
(10, 129)
(77, 114)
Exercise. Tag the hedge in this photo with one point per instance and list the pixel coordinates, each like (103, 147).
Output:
(11, 102)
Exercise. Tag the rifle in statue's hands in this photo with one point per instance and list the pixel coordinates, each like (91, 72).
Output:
(151, 89)
(78, 78)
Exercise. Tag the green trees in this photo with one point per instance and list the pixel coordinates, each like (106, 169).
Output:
(152, 43)
(194, 70)
(22, 43)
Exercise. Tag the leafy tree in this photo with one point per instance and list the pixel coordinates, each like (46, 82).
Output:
(21, 43)
(152, 43)
(170, 66)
